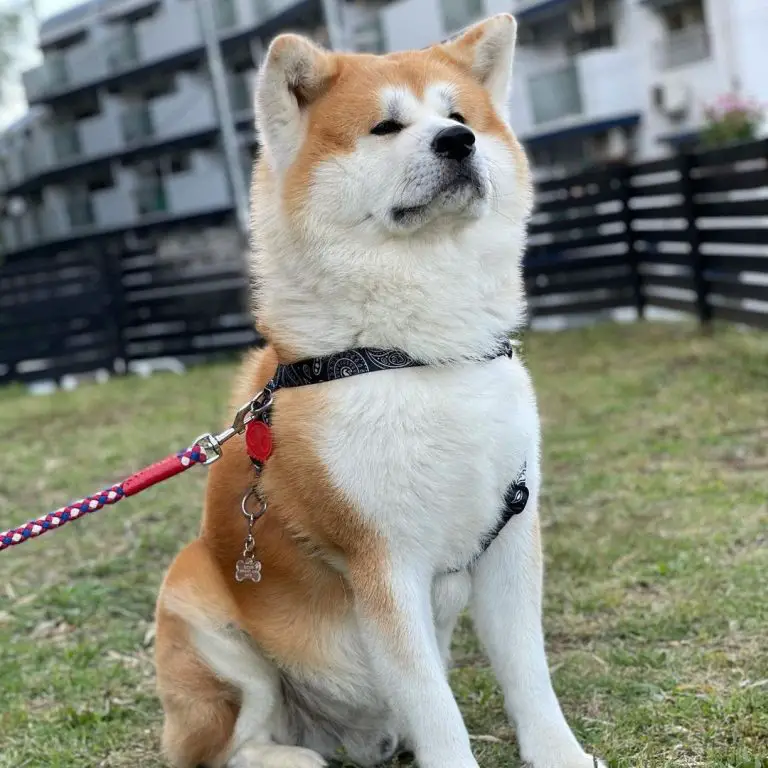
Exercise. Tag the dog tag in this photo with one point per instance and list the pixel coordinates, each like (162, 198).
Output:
(248, 569)
(258, 440)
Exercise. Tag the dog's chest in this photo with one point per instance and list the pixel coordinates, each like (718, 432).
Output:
(426, 455)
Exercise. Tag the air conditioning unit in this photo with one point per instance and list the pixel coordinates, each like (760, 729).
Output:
(673, 99)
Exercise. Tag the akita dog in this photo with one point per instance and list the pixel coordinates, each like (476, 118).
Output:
(312, 618)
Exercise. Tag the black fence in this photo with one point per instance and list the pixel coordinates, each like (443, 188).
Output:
(95, 308)
(689, 233)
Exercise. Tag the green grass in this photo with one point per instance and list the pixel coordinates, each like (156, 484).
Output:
(655, 516)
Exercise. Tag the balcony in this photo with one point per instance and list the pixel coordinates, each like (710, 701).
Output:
(556, 95)
(457, 14)
(66, 143)
(225, 14)
(368, 35)
(57, 72)
(136, 124)
(124, 51)
(240, 92)
(684, 47)
(151, 197)
(595, 86)
(80, 211)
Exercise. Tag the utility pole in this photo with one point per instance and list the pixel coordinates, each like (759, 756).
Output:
(225, 116)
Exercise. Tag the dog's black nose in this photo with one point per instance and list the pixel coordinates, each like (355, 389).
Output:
(454, 143)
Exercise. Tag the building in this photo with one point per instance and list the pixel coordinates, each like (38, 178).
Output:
(123, 141)
(604, 80)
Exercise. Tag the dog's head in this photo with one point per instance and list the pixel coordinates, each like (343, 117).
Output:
(370, 154)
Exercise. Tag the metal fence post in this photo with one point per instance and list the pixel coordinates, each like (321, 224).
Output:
(633, 257)
(696, 258)
(113, 273)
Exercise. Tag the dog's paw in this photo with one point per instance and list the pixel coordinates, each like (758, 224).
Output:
(275, 756)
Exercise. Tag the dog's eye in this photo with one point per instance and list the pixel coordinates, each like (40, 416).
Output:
(387, 126)
(457, 116)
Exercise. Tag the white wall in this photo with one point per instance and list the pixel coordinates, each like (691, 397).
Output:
(412, 24)
(749, 20)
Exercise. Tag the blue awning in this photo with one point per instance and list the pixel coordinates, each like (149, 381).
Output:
(543, 8)
(582, 129)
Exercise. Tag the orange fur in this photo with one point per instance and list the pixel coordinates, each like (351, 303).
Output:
(356, 82)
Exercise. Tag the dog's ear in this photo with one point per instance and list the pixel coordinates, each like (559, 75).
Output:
(294, 74)
(486, 49)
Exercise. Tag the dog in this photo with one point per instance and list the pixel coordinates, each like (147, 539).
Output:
(389, 213)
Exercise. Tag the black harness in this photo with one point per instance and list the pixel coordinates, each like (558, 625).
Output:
(353, 362)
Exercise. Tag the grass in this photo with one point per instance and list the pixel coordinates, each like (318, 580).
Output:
(655, 516)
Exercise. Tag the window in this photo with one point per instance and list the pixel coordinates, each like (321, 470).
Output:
(684, 16)
(459, 13)
(602, 37)
(180, 163)
(102, 180)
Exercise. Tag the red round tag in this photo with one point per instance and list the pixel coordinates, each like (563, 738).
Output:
(258, 440)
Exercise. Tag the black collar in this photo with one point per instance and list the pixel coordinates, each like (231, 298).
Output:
(317, 370)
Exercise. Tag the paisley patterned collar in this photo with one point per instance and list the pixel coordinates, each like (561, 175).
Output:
(317, 370)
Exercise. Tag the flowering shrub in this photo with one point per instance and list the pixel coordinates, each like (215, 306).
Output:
(730, 119)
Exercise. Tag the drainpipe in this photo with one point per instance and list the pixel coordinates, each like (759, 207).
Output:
(226, 118)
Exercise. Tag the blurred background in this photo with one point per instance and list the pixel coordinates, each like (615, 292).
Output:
(128, 143)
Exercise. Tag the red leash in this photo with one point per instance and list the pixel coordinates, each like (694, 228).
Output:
(205, 450)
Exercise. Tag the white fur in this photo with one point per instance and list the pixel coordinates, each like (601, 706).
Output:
(424, 454)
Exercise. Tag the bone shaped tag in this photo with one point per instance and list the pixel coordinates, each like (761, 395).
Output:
(248, 569)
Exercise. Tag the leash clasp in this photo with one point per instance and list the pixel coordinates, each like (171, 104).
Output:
(212, 444)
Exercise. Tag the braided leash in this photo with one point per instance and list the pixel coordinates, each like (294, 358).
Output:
(145, 478)
(205, 450)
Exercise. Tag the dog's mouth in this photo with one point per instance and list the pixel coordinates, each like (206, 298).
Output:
(458, 193)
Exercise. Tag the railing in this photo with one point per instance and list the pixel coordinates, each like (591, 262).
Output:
(555, 95)
(240, 94)
(369, 35)
(66, 143)
(686, 46)
(262, 10)
(459, 13)
(151, 197)
(80, 211)
(57, 71)
(224, 14)
(124, 50)
(136, 123)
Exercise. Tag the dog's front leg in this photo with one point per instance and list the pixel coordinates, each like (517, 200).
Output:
(395, 611)
(506, 607)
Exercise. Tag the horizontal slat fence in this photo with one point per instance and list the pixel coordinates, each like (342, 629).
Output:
(687, 233)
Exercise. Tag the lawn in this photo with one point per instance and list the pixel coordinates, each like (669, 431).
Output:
(655, 516)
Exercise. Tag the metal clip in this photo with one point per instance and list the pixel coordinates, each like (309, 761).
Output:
(211, 444)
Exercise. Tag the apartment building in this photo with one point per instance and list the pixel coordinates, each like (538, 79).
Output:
(604, 80)
(122, 139)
